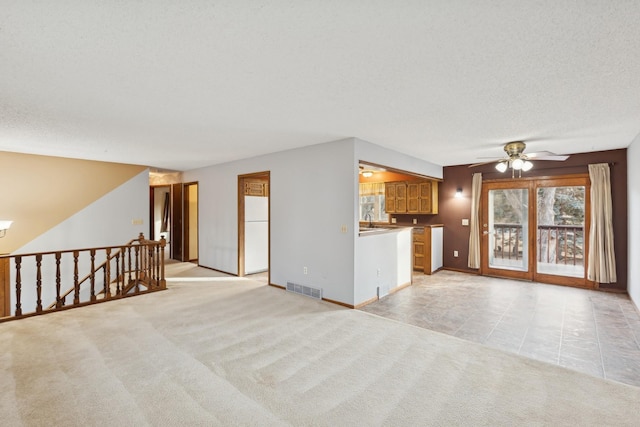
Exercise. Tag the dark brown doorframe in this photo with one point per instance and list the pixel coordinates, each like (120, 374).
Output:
(176, 222)
(242, 180)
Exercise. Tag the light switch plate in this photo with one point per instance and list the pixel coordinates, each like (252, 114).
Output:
(465, 221)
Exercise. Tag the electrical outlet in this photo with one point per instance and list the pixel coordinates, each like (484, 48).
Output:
(455, 254)
(304, 270)
(465, 222)
(343, 228)
(393, 220)
(415, 221)
(378, 272)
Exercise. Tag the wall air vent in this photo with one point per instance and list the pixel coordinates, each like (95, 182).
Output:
(304, 290)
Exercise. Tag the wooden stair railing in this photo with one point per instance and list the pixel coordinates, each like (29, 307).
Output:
(138, 263)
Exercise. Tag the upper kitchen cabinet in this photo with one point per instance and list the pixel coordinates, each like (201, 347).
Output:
(395, 197)
(416, 197)
(428, 197)
(256, 187)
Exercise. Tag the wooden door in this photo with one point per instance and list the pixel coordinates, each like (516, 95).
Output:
(190, 221)
(176, 222)
(505, 228)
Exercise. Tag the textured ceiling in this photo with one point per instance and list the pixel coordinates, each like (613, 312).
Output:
(184, 84)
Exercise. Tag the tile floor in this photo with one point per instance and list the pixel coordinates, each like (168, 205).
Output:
(593, 332)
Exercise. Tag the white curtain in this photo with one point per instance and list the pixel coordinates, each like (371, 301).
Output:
(602, 259)
(474, 237)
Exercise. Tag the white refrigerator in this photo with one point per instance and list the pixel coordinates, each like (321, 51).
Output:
(256, 234)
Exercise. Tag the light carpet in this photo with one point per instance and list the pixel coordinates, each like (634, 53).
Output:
(231, 351)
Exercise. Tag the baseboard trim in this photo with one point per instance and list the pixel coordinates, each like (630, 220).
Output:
(461, 270)
(278, 286)
(367, 302)
(399, 288)
(338, 303)
(219, 271)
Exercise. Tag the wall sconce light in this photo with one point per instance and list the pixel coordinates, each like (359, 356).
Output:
(458, 193)
(4, 226)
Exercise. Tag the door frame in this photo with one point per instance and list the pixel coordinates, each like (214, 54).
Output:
(266, 175)
(187, 226)
(485, 269)
(532, 184)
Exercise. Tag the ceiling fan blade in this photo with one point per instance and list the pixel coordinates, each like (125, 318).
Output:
(546, 155)
(485, 163)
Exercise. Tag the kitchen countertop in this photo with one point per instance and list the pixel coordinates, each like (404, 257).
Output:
(366, 231)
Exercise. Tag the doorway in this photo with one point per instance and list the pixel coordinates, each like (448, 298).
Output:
(190, 220)
(537, 229)
(254, 224)
(174, 216)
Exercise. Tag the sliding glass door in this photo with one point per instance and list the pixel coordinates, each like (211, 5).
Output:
(562, 219)
(536, 229)
(505, 229)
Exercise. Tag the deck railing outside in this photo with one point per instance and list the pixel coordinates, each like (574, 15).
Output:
(46, 282)
(557, 244)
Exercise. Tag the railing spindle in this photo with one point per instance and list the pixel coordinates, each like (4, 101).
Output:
(129, 266)
(163, 282)
(76, 286)
(58, 280)
(107, 275)
(92, 253)
(137, 271)
(18, 286)
(39, 283)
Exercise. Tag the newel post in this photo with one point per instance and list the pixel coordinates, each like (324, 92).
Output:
(163, 281)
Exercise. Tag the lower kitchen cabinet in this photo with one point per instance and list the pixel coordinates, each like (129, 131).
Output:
(427, 248)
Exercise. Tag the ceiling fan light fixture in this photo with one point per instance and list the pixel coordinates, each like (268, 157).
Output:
(527, 165)
(517, 164)
(501, 167)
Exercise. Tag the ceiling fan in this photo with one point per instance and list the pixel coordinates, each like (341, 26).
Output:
(518, 161)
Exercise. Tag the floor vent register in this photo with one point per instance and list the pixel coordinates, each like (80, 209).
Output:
(304, 290)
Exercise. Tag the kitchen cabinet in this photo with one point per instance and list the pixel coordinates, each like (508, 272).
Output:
(258, 188)
(395, 194)
(418, 249)
(427, 248)
(414, 197)
(428, 197)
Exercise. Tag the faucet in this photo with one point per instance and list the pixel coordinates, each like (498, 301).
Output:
(368, 215)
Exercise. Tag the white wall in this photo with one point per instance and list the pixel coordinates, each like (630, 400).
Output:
(314, 193)
(311, 198)
(105, 222)
(368, 262)
(384, 261)
(633, 196)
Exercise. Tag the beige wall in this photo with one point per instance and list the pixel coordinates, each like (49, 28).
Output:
(39, 192)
